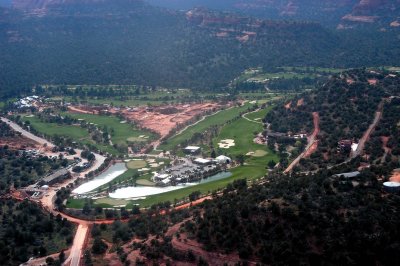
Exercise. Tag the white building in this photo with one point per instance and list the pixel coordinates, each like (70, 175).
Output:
(222, 159)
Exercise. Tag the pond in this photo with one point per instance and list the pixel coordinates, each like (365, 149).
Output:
(142, 191)
(111, 173)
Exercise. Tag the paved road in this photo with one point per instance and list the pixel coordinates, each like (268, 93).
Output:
(27, 134)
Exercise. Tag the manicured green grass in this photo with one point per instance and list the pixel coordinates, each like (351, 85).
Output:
(260, 115)
(76, 133)
(52, 129)
(75, 203)
(243, 132)
(217, 119)
(136, 164)
(250, 171)
(120, 132)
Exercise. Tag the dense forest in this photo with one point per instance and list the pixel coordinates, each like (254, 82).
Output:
(27, 231)
(317, 219)
(327, 12)
(129, 42)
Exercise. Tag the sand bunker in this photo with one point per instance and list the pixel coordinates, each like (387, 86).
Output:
(154, 165)
(143, 169)
(226, 143)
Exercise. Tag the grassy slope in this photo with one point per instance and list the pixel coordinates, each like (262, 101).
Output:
(76, 133)
(51, 129)
(121, 131)
(216, 119)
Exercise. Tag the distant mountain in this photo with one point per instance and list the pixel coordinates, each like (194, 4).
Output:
(5, 3)
(129, 41)
(342, 13)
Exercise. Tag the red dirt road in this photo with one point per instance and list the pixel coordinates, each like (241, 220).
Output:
(311, 146)
(365, 137)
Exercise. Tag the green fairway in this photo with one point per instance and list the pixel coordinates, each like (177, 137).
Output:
(243, 132)
(76, 133)
(51, 129)
(120, 132)
(219, 118)
(258, 116)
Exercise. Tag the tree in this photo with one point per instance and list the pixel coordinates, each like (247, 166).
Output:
(240, 158)
(88, 258)
(50, 261)
(99, 247)
(61, 256)
(271, 164)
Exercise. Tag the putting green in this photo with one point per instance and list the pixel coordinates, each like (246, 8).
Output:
(136, 164)
(145, 182)
(259, 153)
(136, 139)
(111, 201)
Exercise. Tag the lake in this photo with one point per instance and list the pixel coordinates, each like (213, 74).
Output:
(110, 174)
(142, 191)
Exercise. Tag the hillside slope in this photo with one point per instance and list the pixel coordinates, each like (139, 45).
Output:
(128, 41)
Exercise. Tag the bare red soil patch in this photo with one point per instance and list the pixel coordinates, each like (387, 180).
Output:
(311, 150)
(395, 176)
(349, 81)
(300, 102)
(288, 105)
(19, 143)
(162, 119)
(372, 81)
(83, 110)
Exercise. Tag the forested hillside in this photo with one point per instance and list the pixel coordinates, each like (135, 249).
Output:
(125, 42)
(346, 105)
(27, 231)
(332, 13)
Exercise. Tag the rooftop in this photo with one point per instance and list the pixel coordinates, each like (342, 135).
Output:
(348, 175)
(55, 175)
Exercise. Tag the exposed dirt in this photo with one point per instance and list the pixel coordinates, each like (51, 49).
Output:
(19, 143)
(288, 105)
(387, 150)
(365, 137)
(162, 119)
(372, 81)
(311, 150)
(395, 176)
(300, 102)
(311, 146)
(349, 81)
(82, 110)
